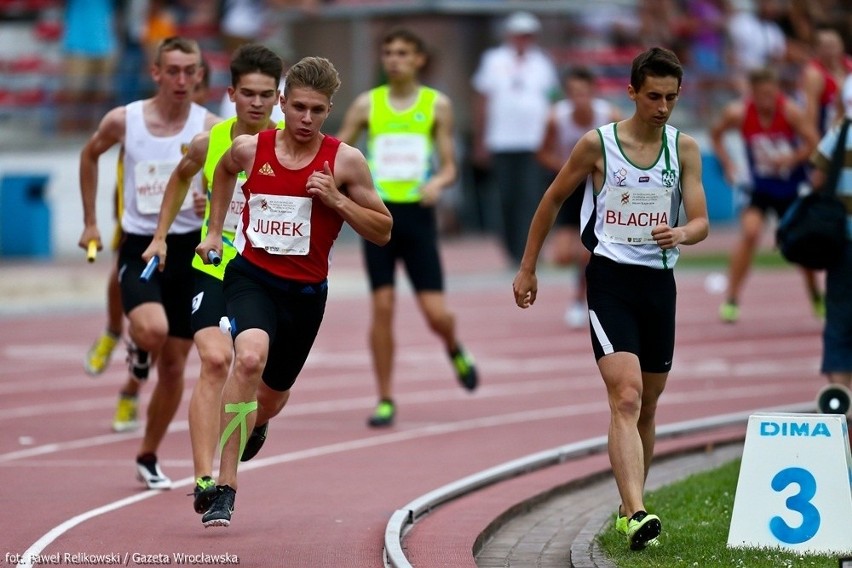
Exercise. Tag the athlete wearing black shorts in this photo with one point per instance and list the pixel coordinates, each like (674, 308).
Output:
(414, 241)
(173, 287)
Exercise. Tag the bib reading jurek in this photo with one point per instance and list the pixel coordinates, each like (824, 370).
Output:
(280, 224)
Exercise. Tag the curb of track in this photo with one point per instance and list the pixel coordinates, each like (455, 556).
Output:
(404, 519)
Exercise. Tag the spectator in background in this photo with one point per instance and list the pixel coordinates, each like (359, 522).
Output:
(89, 47)
(705, 30)
(837, 334)
(756, 41)
(514, 85)
(778, 138)
(569, 119)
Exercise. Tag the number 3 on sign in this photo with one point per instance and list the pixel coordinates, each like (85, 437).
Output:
(799, 502)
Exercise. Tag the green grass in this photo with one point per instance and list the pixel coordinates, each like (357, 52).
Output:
(696, 515)
(762, 259)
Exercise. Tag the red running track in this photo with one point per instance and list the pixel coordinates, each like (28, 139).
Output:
(321, 491)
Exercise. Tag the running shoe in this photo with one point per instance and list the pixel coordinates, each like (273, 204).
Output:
(642, 528)
(621, 527)
(383, 415)
(148, 472)
(220, 511)
(125, 419)
(729, 312)
(576, 315)
(204, 494)
(465, 368)
(255, 442)
(818, 306)
(138, 361)
(100, 353)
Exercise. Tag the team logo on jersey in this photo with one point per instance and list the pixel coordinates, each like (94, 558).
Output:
(668, 178)
(266, 170)
(184, 148)
(620, 177)
(644, 179)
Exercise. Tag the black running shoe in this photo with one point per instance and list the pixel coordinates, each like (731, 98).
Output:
(220, 511)
(642, 530)
(204, 494)
(255, 442)
(465, 368)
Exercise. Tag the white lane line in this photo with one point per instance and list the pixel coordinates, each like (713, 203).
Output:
(534, 415)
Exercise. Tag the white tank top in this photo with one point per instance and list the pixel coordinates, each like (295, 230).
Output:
(632, 201)
(148, 162)
(568, 131)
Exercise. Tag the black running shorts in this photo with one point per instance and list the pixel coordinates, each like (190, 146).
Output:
(289, 312)
(172, 288)
(632, 309)
(414, 240)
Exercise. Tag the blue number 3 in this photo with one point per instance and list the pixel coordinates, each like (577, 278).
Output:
(800, 502)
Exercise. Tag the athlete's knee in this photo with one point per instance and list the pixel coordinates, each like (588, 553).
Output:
(215, 365)
(250, 362)
(625, 400)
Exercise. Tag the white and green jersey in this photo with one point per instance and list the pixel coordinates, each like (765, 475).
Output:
(632, 201)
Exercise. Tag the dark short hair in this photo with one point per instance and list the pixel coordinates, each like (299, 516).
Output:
(255, 58)
(580, 73)
(655, 62)
(407, 36)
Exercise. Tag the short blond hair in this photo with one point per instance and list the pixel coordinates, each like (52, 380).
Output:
(317, 73)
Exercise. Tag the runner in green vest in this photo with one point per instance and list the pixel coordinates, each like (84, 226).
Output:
(255, 73)
(408, 125)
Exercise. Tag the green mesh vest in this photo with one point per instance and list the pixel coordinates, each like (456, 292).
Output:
(399, 145)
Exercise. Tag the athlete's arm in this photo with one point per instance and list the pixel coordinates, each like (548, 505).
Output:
(109, 133)
(547, 154)
(442, 132)
(355, 119)
(813, 84)
(694, 201)
(585, 159)
(805, 129)
(731, 118)
(176, 189)
(361, 205)
(239, 157)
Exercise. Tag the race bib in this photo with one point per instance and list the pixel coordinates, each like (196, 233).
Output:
(151, 178)
(630, 214)
(235, 208)
(400, 157)
(280, 224)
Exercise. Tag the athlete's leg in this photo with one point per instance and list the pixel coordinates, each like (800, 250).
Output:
(205, 407)
(751, 227)
(165, 398)
(381, 339)
(240, 397)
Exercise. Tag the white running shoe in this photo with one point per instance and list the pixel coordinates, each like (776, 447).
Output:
(576, 316)
(151, 475)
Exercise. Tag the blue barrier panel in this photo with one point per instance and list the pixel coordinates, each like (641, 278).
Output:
(24, 216)
(720, 196)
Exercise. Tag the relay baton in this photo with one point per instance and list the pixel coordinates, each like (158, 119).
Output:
(149, 269)
(214, 257)
(92, 250)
